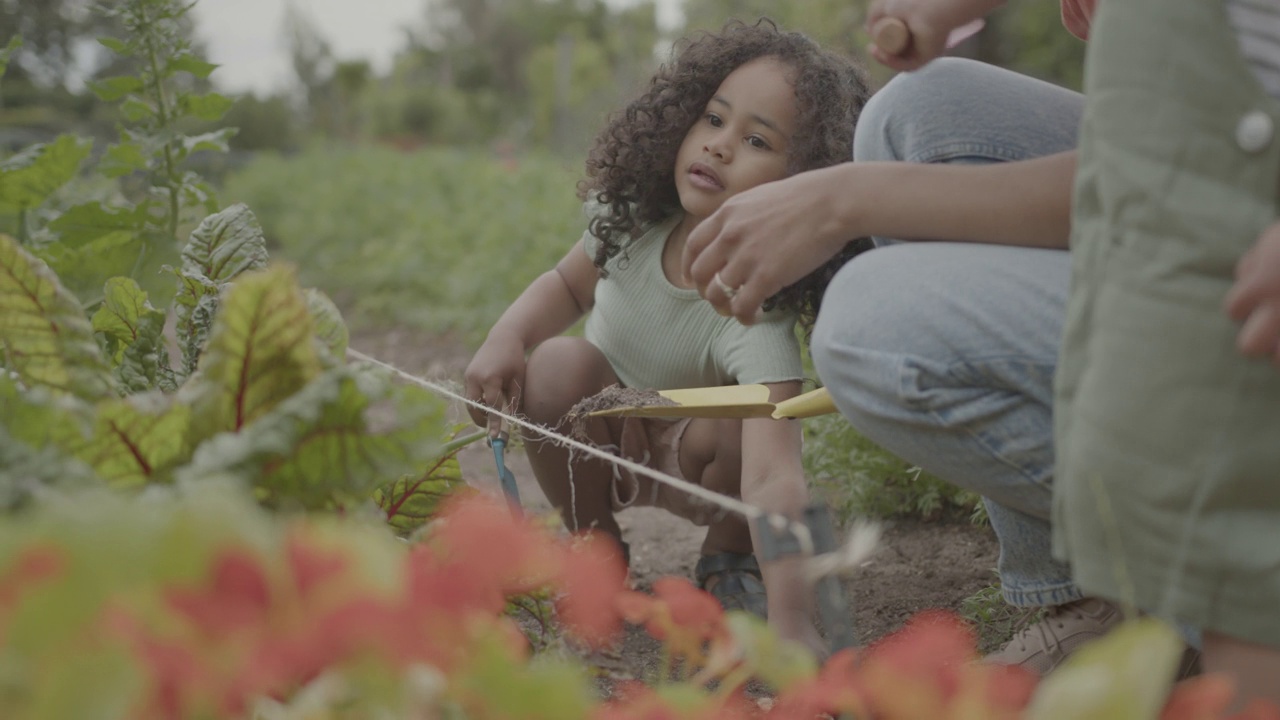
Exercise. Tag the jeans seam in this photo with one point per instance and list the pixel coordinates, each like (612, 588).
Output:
(951, 151)
(942, 422)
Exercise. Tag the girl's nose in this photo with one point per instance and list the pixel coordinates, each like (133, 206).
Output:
(719, 147)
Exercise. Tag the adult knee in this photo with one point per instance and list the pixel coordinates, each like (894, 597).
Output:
(857, 308)
(896, 117)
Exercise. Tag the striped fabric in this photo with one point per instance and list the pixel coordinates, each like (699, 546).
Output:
(1257, 24)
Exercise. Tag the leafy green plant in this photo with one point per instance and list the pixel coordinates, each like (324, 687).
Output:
(137, 230)
(259, 395)
(859, 479)
(994, 619)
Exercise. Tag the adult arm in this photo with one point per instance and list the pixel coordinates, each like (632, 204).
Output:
(768, 237)
(773, 479)
(548, 307)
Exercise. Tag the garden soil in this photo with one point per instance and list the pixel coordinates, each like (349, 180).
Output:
(919, 565)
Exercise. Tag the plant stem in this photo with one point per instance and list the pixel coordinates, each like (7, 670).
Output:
(163, 117)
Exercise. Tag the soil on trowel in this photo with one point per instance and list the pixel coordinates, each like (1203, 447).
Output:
(614, 396)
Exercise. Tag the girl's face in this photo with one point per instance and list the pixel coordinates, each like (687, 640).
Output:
(741, 140)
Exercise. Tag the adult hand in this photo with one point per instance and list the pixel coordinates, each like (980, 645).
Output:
(766, 238)
(930, 24)
(1254, 300)
(494, 377)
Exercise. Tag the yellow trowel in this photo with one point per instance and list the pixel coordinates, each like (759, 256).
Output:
(729, 401)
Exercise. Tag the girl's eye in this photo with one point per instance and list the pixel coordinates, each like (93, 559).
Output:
(757, 142)
(714, 119)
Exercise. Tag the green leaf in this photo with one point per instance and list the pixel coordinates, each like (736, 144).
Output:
(192, 64)
(135, 109)
(44, 336)
(83, 270)
(226, 244)
(135, 336)
(122, 159)
(113, 88)
(119, 47)
(330, 330)
(25, 470)
(138, 439)
(1126, 674)
(413, 500)
(6, 54)
(89, 221)
(210, 107)
(215, 141)
(260, 351)
(315, 448)
(30, 177)
(194, 307)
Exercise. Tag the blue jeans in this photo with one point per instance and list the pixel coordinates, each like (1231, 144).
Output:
(943, 353)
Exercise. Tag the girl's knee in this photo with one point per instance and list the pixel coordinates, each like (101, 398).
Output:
(559, 373)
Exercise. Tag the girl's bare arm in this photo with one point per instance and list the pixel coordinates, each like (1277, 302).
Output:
(548, 307)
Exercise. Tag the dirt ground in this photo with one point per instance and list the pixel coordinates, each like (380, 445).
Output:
(919, 565)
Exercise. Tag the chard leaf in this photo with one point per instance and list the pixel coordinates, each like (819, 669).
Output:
(90, 221)
(40, 417)
(330, 330)
(315, 449)
(44, 336)
(194, 307)
(30, 177)
(83, 270)
(260, 351)
(25, 470)
(137, 439)
(225, 245)
(135, 336)
(413, 500)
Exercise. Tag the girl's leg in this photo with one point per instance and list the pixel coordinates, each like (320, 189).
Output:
(711, 456)
(559, 373)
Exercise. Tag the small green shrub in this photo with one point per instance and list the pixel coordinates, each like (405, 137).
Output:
(859, 479)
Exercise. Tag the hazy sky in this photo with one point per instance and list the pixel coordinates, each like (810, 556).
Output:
(246, 37)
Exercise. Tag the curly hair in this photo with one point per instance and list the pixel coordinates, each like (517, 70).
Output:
(630, 169)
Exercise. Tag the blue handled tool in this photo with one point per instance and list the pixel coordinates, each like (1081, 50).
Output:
(499, 445)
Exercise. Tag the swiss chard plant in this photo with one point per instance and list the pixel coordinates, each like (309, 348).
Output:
(136, 227)
(257, 387)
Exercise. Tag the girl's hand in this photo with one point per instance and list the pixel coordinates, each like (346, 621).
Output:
(766, 238)
(929, 22)
(495, 377)
(1255, 298)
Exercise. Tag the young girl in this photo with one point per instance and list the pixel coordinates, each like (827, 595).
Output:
(731, 111)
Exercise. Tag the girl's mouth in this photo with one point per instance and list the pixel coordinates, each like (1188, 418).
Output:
(702, 176)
